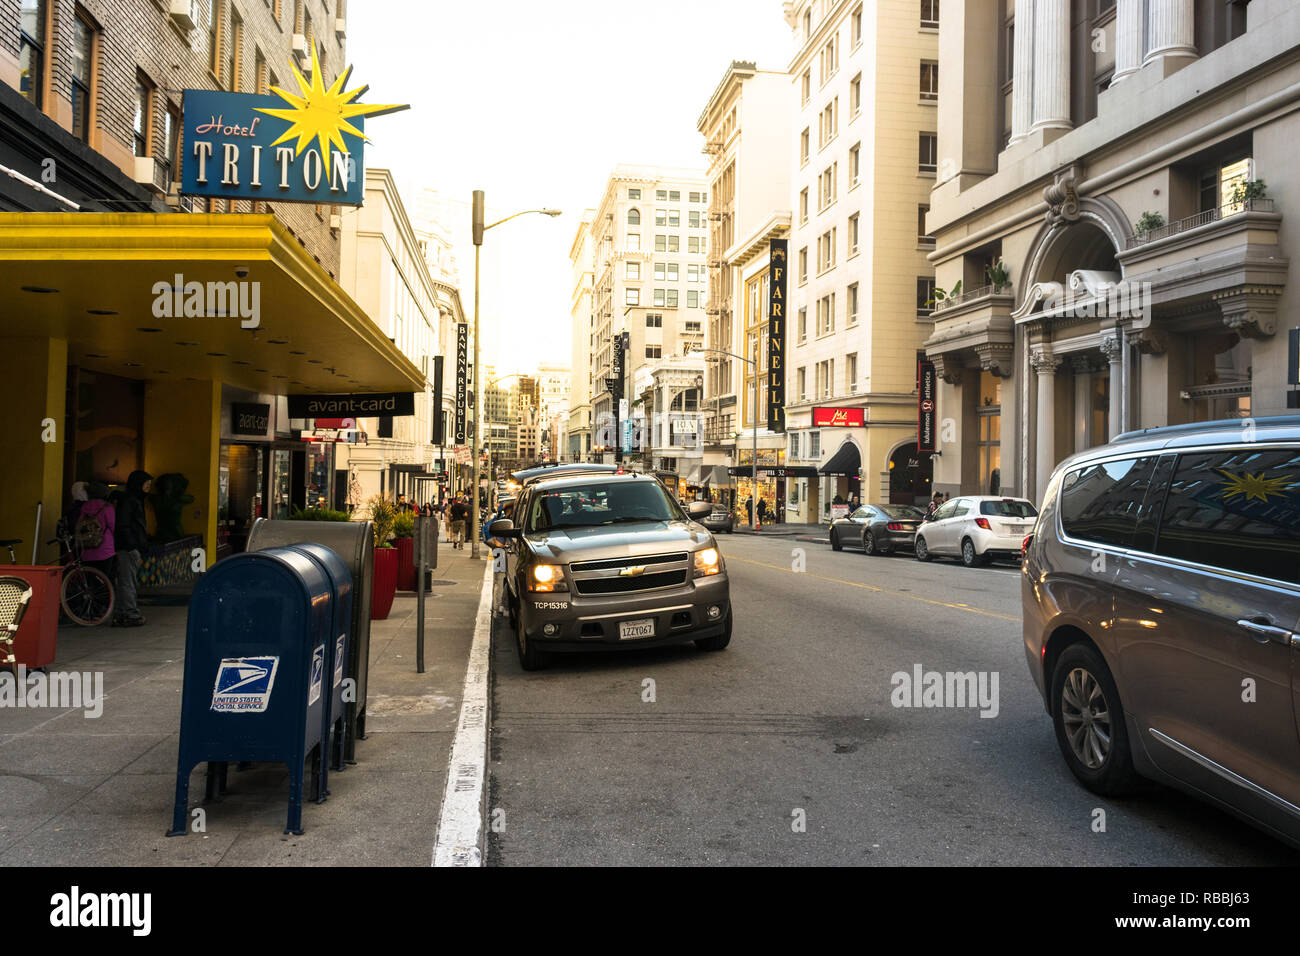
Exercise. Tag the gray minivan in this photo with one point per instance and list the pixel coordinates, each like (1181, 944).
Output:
(1161, 591)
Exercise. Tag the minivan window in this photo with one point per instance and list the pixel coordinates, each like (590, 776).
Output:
(1239, 510)
(1008, 508)
(1101, 502)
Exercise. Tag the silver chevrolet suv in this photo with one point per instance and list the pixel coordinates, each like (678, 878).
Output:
(603, 561)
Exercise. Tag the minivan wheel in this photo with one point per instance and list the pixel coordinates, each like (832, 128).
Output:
(718, 641)
(922, 549)
(530, 658)
(1089, 721)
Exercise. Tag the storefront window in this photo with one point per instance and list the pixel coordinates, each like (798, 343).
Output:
(318, 475)
(281, 483)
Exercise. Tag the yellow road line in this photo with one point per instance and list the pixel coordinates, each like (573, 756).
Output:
(868, 587)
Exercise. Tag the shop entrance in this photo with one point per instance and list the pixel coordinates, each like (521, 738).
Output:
(255, 480)
(911, 476)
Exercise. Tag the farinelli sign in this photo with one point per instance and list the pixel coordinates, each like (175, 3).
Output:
(352, 406)
(777, 249)
(277, 146)
(927, 405)
(462, 379)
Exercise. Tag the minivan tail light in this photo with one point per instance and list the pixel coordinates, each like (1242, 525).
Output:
(983, 523)
(1024, 546)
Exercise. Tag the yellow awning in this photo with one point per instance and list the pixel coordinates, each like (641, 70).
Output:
(101, 272)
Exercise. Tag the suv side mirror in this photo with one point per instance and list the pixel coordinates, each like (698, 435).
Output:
(503, 528)
(698, 509)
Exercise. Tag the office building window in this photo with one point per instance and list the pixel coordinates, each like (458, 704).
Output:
(829, 60)
(236, 62)
(654, 351)
(660, 299)
(924, 296)
(693, 219)
(929, 81)
(853, 304)
(693, 244)
(803, 205)
(674, 195)
(661, 217)
(806, 86)
(851, 372)
(855, 164)
(661, 243)
(172, 143)
(654, 320)
(853, 234)
(634, 242)
(828, 185)
(803, 265)
(805, 141)
(142, 127)
(855, 95)
(83, 66)
(633, 193)
(634, 217)
(794, 438)
(674, 217)
(694, 197)
(828, 122)
(692, 299)
(814, 444)
(632, 297)
(672, 298)
(929, 153)
(921, 237)
(826, 314)
(674, 243)
(803, 324)
(826, 251)
(31, 51)
(632, 270)
(930, 13)
(672, 272)
(214, 37)
(660, 271)
(855, 27)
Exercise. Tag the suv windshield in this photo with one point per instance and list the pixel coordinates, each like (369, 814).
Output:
(1008, 508)
(600, 503)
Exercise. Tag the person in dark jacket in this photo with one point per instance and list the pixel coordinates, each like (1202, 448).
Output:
(132, 538)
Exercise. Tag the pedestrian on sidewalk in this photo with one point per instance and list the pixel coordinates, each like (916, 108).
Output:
(762, 511)
(132, 539)
(459, 512)
(94, 529)
(749, 509)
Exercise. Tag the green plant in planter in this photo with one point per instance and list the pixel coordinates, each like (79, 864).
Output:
(382, 514)
(997, 273)
(404, 525)
(1249, 189)
(1147, 222)
(941, 296)
(319, 514)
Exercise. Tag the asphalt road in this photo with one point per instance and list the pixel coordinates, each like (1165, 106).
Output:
(793, 724)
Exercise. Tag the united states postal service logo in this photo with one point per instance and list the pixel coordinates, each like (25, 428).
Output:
(244, 685)
(340, 648)
(317, 674)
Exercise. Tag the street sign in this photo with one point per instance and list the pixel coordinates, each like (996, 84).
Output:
(462, 388)
(825, 417)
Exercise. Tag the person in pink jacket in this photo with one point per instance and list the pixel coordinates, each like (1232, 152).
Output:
(98, 508)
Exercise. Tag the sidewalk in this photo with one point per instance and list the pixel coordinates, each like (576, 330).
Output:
(803, 532)
(78, 791)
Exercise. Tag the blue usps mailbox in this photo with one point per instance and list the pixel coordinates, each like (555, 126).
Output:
(339, 646)
(257, 651)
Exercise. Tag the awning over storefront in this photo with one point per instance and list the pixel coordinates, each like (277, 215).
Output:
(846, 461)
(692, 475)
(104, 283)
(714, 476)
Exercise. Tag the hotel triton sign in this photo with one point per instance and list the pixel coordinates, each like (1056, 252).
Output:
(280, 146)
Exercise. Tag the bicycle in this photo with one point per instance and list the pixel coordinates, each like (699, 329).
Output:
(86, 594)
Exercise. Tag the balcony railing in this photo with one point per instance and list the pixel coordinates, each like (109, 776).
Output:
(970, 295)
(1195, 222)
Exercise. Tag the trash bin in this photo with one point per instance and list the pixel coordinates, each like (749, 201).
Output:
(354, 542)
(256, 656)
(37, 635)
(340, 689)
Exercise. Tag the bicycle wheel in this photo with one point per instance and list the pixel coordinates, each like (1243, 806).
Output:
(87, 596)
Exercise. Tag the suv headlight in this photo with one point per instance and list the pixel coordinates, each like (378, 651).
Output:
(546, 577)
(707, 562)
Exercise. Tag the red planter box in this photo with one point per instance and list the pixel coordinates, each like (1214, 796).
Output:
(35, 640)
(405, 548)
(383, 583)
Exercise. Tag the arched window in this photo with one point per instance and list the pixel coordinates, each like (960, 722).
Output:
(634, 217)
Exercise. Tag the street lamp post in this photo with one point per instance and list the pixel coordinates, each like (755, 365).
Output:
(479, 229)
(757, 525)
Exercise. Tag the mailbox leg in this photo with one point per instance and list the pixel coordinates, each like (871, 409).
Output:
(180, 825)
(210, 788)
(294, 824)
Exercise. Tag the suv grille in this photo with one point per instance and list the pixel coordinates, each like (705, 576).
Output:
(620, 563)
(609, 577)
(620, 585)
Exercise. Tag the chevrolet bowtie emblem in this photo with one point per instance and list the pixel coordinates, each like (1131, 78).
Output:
(632, 572)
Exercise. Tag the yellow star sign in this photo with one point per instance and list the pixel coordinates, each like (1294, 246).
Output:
(1255, 487)
(322, 114)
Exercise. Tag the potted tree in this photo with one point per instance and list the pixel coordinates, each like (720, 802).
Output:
(383, 588)
(404, 542)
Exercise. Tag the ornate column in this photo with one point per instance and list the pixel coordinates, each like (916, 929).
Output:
(1171, 29)
(1045, 364)
(1128, 39)
(1114, 353)
(1022, 89)
(1051, 63)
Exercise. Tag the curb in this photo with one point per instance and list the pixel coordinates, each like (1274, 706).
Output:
(462, 821)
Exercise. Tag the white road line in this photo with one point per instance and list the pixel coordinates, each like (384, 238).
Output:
(460, 825)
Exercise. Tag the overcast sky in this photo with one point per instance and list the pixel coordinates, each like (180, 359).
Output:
(535, 103)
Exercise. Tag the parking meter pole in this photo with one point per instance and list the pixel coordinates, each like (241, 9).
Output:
(420, 524)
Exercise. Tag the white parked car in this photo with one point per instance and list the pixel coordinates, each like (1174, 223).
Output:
(977, 529)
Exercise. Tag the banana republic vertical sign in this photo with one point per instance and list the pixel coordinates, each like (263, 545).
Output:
(462, 374)
(776, 335)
